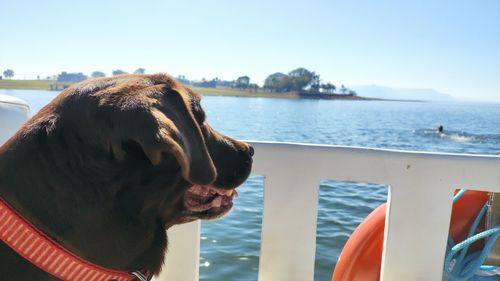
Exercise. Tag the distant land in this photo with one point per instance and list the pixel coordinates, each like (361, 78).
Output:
(382, 92)
(209, 91)
(299, 83)
(367, 92)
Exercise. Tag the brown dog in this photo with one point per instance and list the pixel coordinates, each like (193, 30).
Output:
(110, 164)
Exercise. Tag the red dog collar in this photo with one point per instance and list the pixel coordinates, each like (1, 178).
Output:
(40, 250)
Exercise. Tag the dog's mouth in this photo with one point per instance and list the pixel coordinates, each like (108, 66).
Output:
(209, 202)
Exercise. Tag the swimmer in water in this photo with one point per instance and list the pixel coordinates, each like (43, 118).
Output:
(440, 129)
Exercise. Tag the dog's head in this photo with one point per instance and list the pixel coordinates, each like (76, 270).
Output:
(145, 141)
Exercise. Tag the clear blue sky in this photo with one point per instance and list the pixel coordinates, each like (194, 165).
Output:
(451, 46)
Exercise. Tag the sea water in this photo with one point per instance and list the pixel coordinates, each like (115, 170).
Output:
(230, 246)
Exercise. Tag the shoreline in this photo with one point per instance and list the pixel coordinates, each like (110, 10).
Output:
(48, 85)
(228, 92)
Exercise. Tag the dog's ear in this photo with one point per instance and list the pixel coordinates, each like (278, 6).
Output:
(166, 125)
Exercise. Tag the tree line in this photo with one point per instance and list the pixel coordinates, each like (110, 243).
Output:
(303, 81)
(299, 80)
(77, 77)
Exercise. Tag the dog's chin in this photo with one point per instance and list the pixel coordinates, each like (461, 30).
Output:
(207, 202)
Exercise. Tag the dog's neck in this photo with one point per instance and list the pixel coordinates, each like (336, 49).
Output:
(98, 209)
(42, 251)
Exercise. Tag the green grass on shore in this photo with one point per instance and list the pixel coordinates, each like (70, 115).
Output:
(26, 84)
(45, 85)
(239, 93)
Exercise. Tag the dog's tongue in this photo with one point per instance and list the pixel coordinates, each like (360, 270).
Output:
(217, 202)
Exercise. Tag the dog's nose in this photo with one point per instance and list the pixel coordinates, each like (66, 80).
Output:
(251, 151)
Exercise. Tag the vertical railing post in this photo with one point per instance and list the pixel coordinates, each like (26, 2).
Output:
(416, 230)
(182, 261)
(290, 214)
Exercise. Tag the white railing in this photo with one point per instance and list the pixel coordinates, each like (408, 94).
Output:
(421, 187)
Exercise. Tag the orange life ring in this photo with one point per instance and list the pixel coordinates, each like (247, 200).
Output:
(362, 254)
